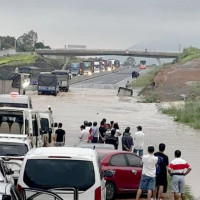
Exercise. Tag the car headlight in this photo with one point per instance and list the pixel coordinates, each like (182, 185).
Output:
(89, 73)
(25, 84)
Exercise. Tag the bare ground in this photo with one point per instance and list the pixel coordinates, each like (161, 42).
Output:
(176, 82)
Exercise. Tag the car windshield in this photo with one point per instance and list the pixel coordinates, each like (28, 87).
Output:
(57, 173)
(13, 149)
(87, 64)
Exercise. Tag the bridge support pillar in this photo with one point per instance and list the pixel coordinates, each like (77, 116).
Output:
(159, 61)
(66, 61)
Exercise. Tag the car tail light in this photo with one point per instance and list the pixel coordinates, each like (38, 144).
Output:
(98, 193)
(19, 187)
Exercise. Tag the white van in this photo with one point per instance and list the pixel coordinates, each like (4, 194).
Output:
(15, 100)
(22, 123)
(61, 167)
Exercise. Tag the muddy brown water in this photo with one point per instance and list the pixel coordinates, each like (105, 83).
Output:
(77, 105)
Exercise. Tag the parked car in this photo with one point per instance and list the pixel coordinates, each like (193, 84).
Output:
(5, 173)
(10, 192)
(13, 151)
(96, 146)
(63, 167)
(126, 168)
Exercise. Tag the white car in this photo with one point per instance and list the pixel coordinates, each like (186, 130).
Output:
(5, 173)
(10, 192)
(55, 168)
(13, 151)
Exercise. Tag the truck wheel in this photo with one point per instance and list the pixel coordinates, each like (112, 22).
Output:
(39, 93)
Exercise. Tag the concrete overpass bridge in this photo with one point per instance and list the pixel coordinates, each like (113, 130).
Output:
(104, 52)
(68, 53)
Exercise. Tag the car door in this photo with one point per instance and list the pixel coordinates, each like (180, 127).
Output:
(118, 164)
(134, 171)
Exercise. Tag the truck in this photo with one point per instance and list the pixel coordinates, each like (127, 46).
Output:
(142, 64)
(110, 64)
(88, 67)
(97, 67)
(32, 71)
(74, 69)
(21, 123)
(63, 79)
(48, 84)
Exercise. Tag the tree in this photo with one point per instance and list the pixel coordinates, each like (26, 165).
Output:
(27, 41)
(7, 42)
(40, 45)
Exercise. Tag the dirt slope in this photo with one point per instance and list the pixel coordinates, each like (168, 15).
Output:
(177, 82)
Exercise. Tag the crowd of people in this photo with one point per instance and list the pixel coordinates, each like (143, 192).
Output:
(155, 165)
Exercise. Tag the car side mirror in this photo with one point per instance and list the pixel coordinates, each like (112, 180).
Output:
(6, 197)
(108, 173)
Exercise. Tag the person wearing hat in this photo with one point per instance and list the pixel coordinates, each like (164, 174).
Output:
(138, 138)
(147, 182)
(49, 109)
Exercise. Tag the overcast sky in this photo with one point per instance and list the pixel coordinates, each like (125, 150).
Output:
(160, 24)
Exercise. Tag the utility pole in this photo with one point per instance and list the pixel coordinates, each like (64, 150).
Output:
(0, 44)
(15, 45)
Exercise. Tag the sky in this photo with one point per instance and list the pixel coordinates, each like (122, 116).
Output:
(110, 24)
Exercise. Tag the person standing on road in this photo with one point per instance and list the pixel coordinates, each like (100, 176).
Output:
(112, 139)
(60, 136)
(127, 140)
(118, 134)
(95, 133)
(138, 139)
(84, 135)
(147, 182)
(127, 84)
(102, 132)
(178, 168)
(161, 172)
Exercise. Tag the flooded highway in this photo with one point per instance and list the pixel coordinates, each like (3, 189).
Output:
(94, 104)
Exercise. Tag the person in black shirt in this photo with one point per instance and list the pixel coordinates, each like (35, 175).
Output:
(112, 139)
(102, 132)
(60, 136)
(161, 172)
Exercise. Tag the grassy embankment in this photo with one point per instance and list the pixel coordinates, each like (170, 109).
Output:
(145, 83)
(189, 54)
(190, 113)
(17, 59)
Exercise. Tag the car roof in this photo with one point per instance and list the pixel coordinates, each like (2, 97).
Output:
(109, 151)
(65, 151)
(96, 146)
(11, 139)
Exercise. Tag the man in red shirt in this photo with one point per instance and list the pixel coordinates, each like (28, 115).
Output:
(178, 168)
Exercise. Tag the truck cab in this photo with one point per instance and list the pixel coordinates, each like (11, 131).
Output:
(63, 79)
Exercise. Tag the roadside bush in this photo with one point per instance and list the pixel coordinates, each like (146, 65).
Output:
(189, 114)
(189, 54)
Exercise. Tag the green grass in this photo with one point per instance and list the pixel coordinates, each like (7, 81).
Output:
(189, 114)
(189, 54)
(188, 195)
(143, 81)
(17, 59)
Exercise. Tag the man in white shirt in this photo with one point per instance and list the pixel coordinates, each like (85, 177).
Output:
(147, 182)
(138, 138)
(84, 135)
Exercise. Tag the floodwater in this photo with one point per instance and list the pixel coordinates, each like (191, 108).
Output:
(92, 104)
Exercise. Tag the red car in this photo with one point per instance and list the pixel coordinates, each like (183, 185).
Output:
(126, 168)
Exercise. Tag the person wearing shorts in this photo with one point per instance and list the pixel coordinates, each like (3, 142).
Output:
(178, 168)
(147, 182)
